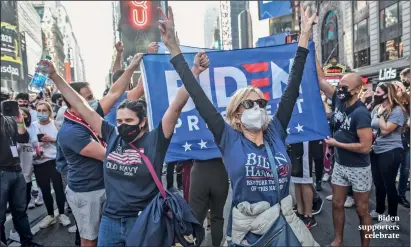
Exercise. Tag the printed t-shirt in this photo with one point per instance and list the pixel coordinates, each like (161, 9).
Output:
(345, 131)
(129, 184)
(84, 174)
(249, 168)
(393, 140)
(111, 116)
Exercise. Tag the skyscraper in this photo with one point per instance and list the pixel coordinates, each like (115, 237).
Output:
(236, 8)
(210, 20)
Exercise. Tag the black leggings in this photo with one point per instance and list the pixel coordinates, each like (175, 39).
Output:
(208, 190)
(28, 193)
(316, 154)
(170, 176)
(46, 173)
(384, 167)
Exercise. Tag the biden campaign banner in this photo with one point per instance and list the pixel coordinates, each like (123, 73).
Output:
(162, 49)
(272, 9)
(267, 68)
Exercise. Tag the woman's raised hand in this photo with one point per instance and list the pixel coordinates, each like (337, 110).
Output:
(166, 26)
(307, 20)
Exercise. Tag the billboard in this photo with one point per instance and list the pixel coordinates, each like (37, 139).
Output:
(138, 26)
(11, 62)
(272, 9)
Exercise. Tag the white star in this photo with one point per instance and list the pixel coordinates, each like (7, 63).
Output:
(187, 147)
(288, 130)
(299, 128)
(202, 144)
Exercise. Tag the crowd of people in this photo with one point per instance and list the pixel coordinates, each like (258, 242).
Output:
(92, 154)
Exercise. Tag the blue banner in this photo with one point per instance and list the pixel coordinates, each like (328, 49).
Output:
(271, 9)
(267, 68)
(276, 39)
(184, 49)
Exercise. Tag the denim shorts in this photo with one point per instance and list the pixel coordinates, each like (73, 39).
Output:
(114, 231)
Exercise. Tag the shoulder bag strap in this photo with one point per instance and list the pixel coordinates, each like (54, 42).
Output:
(274, 170)
(152, 172)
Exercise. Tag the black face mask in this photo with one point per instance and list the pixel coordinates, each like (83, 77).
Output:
(343, 94)
(129, 132)
(368, 100)
(24, 105)
(378, 99)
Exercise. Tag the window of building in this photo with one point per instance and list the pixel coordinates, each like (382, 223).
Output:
(358, 5)
(361, 29)
(362, 58)
(390, 15)
(391, 49)
(329, 37)
(283, 24)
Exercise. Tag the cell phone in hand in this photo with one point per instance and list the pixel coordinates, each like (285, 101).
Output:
(10, 108)
(39, 136)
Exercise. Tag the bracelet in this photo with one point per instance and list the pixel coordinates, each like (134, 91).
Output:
(21, 124)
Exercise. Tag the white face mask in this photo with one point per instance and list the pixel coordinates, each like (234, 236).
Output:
(255, 118)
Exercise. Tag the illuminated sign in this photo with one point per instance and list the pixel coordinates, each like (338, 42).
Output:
(140, 13)
(334, 69)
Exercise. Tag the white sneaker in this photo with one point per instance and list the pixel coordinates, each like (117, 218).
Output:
(39, 201)
(46, 222)
(72, 229)
(14, 236)
(64, 220)
(374, 215)
(326, 177)
(329, 198)
(349, 202)
(31, 204)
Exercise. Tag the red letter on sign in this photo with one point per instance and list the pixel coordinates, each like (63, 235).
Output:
(140, 13)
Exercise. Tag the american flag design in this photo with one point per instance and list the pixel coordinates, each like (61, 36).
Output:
(128, 157)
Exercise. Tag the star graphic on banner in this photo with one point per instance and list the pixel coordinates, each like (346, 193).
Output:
(288, 130)
(202, 144)
(299, 128)
(187, 147)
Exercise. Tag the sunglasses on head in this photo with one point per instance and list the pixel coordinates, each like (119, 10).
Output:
(248, 104)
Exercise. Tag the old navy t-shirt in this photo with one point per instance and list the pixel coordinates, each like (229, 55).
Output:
(84, 174)
(249, 168)
(129, 184)
(347, 121)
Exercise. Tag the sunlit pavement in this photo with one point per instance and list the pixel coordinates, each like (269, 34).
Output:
(57, 235)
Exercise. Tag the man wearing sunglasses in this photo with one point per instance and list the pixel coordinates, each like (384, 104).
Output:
(352, 139)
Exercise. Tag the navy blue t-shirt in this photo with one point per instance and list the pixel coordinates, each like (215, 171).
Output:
(111, 116)
(249, 168)
(84, 174)
(129, 184)
(347, 120)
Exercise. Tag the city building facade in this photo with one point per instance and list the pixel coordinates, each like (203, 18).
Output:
(210, 20)
(32, 45)
(53, 39)
(371, 38)
(229, 12)
(73, 64)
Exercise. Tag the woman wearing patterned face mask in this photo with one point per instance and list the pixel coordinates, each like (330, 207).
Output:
(388, 117)
(45, 165)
